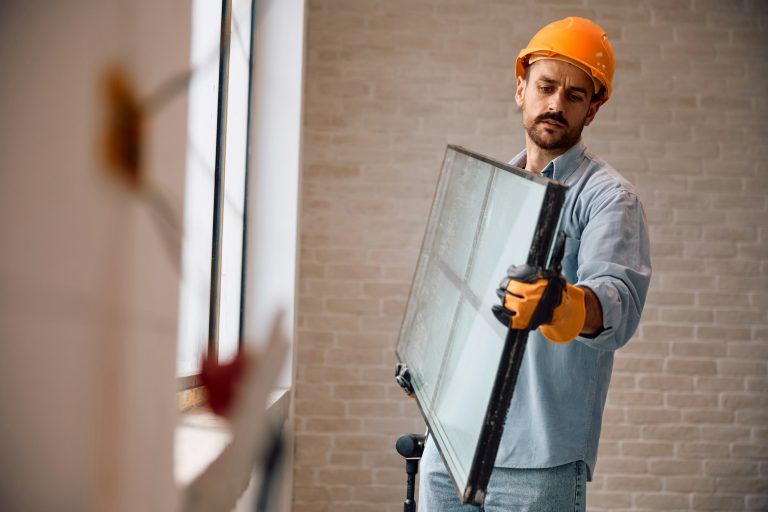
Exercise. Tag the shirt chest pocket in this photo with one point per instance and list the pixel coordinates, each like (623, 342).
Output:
(571, 259)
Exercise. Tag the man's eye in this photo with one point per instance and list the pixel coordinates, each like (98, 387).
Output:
(545, 88)
(575, 97)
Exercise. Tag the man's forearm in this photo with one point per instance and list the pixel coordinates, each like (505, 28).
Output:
(593, 323)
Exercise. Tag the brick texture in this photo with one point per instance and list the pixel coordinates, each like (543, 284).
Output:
(390, 83)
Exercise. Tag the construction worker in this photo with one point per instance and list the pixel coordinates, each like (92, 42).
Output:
(548, 449)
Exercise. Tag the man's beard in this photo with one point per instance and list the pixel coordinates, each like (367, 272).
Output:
(567, 138)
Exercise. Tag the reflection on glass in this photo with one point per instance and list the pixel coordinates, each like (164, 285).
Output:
(484, 218)
(461, 402)
(506, 232)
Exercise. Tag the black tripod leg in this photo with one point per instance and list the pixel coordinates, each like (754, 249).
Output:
(411, 468)
(410, 446)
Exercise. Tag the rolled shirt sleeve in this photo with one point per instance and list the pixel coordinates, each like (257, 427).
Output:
(614, 261)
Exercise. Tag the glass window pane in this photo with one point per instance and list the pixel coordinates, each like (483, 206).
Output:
(198, 195)
(506, 232)
(460, 404)
(485, 217)
(234, 179)
(464, 197)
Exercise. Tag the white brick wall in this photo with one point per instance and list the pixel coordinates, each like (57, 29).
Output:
(390, 83)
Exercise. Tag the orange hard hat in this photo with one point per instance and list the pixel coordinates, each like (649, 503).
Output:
(576, 40)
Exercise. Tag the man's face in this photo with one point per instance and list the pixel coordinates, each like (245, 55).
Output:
(556, 103)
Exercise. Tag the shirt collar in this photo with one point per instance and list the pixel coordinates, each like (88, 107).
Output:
(559, 168)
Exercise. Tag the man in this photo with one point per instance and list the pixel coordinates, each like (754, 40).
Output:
(548, 449)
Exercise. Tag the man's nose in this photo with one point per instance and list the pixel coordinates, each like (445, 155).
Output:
(556, 102)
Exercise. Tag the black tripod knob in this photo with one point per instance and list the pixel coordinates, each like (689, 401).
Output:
(410, 446)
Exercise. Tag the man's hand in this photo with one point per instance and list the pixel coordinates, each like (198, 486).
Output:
(534, 297)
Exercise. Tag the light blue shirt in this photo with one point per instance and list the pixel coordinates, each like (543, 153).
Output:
(557, 406)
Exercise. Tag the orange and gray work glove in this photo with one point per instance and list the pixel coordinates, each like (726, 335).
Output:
(533, 298)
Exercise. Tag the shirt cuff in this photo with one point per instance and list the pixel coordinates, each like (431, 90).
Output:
(610, 303)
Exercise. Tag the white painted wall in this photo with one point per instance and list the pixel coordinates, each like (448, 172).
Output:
(88, 294)
(273, 200)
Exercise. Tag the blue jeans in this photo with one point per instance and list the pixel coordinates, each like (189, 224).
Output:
(559, 489)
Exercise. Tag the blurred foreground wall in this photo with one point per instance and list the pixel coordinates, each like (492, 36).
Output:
(88, 292)
(390, 83)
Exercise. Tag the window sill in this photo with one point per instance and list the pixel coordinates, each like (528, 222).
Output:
(201, 436)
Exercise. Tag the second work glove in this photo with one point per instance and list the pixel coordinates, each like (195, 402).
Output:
(533, 298)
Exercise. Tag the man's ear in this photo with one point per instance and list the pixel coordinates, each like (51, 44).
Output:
(519, 91)
(594, 106)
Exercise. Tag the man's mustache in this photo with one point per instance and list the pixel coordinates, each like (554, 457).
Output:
(554, 116)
